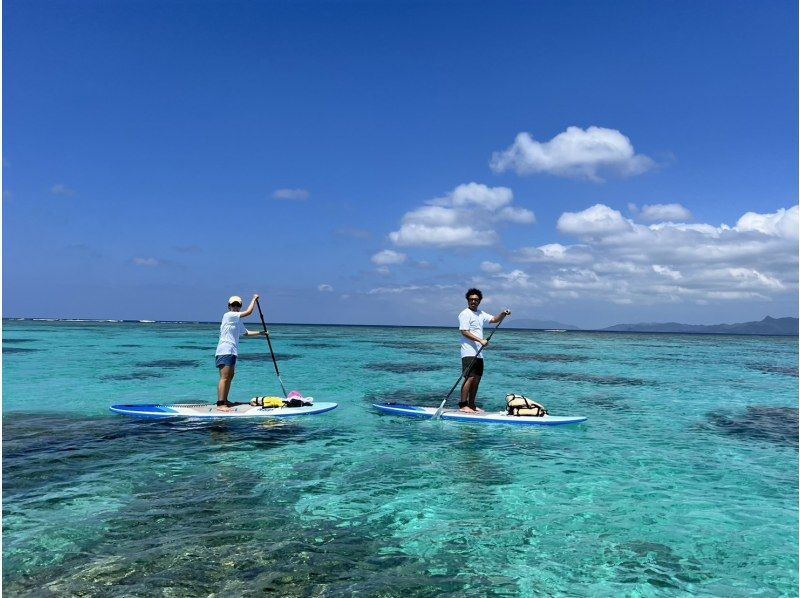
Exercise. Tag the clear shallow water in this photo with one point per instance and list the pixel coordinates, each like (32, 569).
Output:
(683, 480)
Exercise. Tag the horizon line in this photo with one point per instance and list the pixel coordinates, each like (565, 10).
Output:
(442, 327)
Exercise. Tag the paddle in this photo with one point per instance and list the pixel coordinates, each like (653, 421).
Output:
(271, 352)
(438, 413)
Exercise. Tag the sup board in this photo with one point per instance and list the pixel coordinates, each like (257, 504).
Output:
(480, 418)
(209, 410)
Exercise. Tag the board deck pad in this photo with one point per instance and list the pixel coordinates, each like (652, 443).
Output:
(209, 410)
(480, 418)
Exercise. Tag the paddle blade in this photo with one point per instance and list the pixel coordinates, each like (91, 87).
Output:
(439, 411)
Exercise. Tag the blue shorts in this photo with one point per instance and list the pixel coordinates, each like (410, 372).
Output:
(223, 360)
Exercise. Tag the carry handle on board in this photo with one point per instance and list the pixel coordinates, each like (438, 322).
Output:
(271, 352)
(464, 374)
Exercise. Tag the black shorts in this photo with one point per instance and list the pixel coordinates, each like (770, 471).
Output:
(477, 368)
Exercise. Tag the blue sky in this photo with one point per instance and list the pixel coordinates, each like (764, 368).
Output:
(367, 162)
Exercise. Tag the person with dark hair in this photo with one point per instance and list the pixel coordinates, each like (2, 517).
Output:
(470, 322)
(230, 330)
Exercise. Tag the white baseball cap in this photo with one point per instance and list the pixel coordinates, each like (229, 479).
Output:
(235, 299)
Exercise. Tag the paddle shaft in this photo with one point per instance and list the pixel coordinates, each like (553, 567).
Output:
(271, 352)
(465, 373)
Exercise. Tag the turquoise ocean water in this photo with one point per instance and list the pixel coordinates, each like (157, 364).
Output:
(683, 481)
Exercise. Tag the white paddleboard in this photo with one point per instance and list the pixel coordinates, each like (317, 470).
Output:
(479, 418)
(210, 410)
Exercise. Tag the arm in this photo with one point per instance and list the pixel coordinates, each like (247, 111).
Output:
(500, 317)
(256, 333)
(250, 308)
(481, 341)
(246, 313)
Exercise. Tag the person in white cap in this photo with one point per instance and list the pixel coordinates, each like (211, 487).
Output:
(228, 348)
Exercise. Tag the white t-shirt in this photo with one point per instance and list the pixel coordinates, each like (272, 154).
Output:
(229, 332)
(472, 321)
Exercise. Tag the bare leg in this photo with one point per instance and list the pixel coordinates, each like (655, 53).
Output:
(467, 402)
(473, 393)
(226, 374)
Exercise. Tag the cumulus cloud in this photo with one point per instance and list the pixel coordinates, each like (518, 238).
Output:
(624, 262)
(325, 288)
(465, 217)
(411, 234)
(599, 220)
(291, 194)
(575, 153)
(477, 195)
(782, 223)
(516, 215)
(553, 253)
(491, 267)
(388, 257)
(147, 262)
(660, 212)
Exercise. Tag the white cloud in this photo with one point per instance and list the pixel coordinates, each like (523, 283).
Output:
(477, 195)
(442, 236)
(574, 153)
(147, 262)
(553, 253)
(623, 262)
(388, 257)
(660, 212)
(462, 218)
(599, 220)
(666, 271)
(516, 215)
(491, 267)
(782, 223)
(325, 288)
(291, 194)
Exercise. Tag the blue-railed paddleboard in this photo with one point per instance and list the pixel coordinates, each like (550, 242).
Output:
(478, 418)
(209, 410)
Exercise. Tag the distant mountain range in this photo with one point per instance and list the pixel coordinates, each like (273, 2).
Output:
(776, 326)
(772, 326)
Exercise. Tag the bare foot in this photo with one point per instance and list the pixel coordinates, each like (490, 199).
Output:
(479, 410)
(467, 410)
